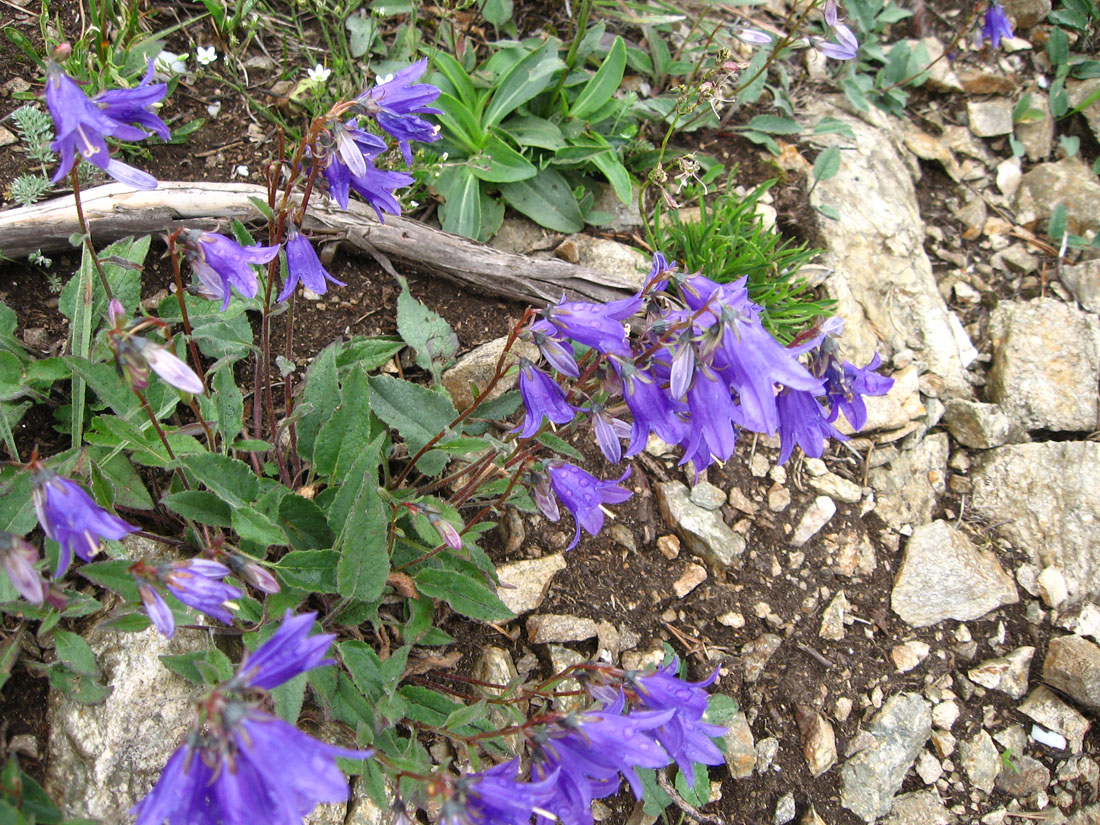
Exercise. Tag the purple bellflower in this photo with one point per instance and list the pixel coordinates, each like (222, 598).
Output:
(803, 421)
(250, 571)
(18, 558)
(996, 26)
(493, 797)
(137, 355)
(685, 737)
(395, 103)
(244, 761)
(286, 654)
(349, 166)
(542, 398)
(583, 495)
(608, 431)
(84, 125)
(595, 325)
(651, 408)
(302, 264)
(557, 352)
(195, 582)
(221, 263)
(846, 47)
(70, 517)
(846, 385)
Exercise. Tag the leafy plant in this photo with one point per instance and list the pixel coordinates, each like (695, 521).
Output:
(730, 241)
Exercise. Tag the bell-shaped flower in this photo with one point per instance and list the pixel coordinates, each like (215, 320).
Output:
(302, 264)
(608, 431)
(846, 385)
(286, 654)
(542, 398)
(584, 495)
(69, 516)
(220, 263)
(18, 557)
(996, 26)
(195, 582)
(395, 103)
(803, 421)
(83, 126)
(135, 105)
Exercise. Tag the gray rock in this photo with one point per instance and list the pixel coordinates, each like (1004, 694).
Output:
(1029, 776)
(837, 487)
(944, 576)
(832, 619)
(882, 279)
(707, 496)
(104, 758)
(870, 778)
(1045, 499)
(1088, 815)
(756, 654)
(522, 237)
(990, 118)
(523, 584)
(612, 257)
(572, 697)
(818, 739)
(1072, 666)
(1027, 13)
(979, 425)
(979, 757)
(1068, 182)
(478, 366)
(1037, 136)
(362, 810)
(1044, 706)
(907, 487)
(784, 809)
(1083, 281)
(740, 752)
(555, 627)
(693, 576)
(1080, 90)
(817, 515)
(703, 531)
(623, 215)
(1046, 364)
(919, 808)
(1008, 674)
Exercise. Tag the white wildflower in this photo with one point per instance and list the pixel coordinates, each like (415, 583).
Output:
(205, 55)
(319, 73)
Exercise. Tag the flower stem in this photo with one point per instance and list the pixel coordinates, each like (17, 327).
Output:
(87, 235)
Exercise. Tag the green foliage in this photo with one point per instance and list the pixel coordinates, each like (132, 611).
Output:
(730, 241)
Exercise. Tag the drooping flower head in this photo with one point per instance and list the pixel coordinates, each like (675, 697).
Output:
(302, 264)
(395, 103)
(583, 495)
(195, 582)
(220, 263)
(286, 654)
(348, 153)
(238, 762)
(18, 557)
(135, 356)
(542, 397)
(83, 125)
(70, 517)
(491, 797)
(996, 25)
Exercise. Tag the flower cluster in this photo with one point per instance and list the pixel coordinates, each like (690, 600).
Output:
(83, 125)
(695, 370)
(845, 47)
(238, 762)
(195, 582)
(638, 721)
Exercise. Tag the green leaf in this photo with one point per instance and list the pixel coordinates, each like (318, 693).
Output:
(196, 665)
(535, 131)
(252, 525)
(416, 412)
(230, 478)
(322, 394)
(698, 793)
(559, 445)
(75, 653)
(527, 78)
(342, 439)
(827, 164)
(1057, 46)
(312, 570)
(107, 385)
(603, 84)
(1056, 228)
(460, 213)
(365, 668)
(829, 212)
(363, 542)
(496, 12)
(230, 404)
(368, 353)
(304, 523)
(459, 123)
(500, 163)
(430, 336)
(775, 125)
(451, 69)
(114, 575)
(464, 594)
(114, 479)
(200, 506)
(546, 199)
(289, 697)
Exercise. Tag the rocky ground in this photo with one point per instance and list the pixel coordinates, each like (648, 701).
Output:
(911, 624)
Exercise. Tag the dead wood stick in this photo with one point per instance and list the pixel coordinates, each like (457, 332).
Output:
(116, 211)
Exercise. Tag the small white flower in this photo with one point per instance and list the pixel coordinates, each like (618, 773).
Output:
(168, 63)
(319, 73)
(214, 109)
(240, 171)
(206, 55)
